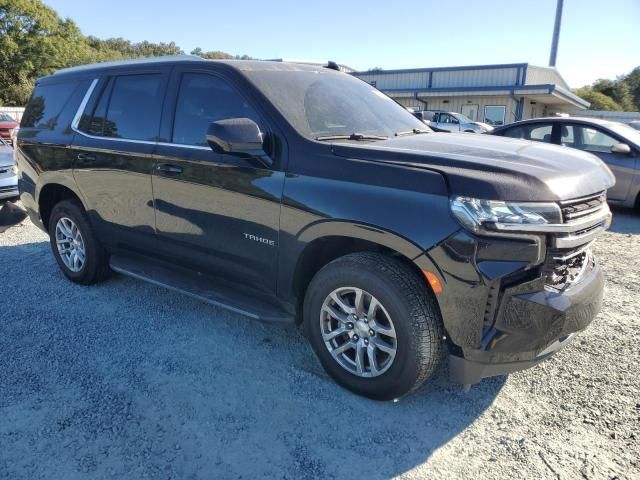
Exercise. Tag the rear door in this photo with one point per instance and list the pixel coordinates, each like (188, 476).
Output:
(599, 142)
(113, 148)
(215, 213)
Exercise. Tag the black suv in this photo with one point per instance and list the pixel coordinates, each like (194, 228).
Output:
(294, 193)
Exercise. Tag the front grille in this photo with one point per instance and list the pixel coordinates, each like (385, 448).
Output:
(581, 207)
(563, 267)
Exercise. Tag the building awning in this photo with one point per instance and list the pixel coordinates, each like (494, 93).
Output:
(545, 93)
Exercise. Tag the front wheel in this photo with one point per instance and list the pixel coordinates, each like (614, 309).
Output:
(374, 325)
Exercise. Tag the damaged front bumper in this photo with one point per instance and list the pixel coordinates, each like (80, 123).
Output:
(506, 307)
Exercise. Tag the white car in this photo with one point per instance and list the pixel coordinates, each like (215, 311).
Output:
(8, 173)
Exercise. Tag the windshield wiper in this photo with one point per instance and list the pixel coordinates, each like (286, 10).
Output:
(415, 131)
(353, 136)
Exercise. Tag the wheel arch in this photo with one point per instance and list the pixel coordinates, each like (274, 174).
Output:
(328, 241)
(49, 194)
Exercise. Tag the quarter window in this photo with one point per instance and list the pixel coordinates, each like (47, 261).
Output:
(494, 114)
(46, 104)
(204, 99)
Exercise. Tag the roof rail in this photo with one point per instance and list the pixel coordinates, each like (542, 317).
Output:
(133, 61)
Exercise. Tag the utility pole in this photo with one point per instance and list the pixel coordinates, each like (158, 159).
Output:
(556, 34)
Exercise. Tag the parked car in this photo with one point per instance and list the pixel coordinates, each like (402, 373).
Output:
(616, 144)
(454, 122)
(300, 194)
(8, 127)
(8, 171)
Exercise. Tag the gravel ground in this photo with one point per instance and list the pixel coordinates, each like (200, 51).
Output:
(129, 380)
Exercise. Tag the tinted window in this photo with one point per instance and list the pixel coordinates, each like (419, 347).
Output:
(204, 99)
(134, 108)
(322, 102)
(46, 104)
(96, 123)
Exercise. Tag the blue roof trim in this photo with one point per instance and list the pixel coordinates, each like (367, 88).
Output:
(547, 87)
(443, 69)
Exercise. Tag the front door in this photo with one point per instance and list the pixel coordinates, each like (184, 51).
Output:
(599, 143)
(215, 213)
(470, 111)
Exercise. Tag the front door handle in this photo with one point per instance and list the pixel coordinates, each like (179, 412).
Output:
(168, 168)
(86, 157)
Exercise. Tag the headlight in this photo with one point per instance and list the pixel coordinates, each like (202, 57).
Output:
(478, 215)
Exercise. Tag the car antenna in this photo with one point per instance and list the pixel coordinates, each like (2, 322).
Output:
(333, 66)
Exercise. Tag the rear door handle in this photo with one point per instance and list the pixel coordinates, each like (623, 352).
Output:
(168, 168)
(86, 157)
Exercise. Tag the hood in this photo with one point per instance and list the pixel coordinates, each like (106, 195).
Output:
(485, 126)
(489, 167)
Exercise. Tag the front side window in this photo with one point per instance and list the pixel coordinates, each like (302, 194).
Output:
(204, 99)
(46, 104)
(596, 141)
(494, 114)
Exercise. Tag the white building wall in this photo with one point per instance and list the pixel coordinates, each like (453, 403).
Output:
(454, 104)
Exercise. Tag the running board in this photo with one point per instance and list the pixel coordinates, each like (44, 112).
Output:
(203, 287)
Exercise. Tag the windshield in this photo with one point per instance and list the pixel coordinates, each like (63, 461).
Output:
(325, 104)
(626, 131)
(462, 118)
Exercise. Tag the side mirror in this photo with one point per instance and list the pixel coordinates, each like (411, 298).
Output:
(621, 148)
(239, 136)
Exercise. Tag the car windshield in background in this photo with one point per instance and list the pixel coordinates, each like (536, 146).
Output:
(325, 104)
(462, 118)
(626, 131)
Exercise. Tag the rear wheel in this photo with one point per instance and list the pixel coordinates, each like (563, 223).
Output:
(75, 247)
(374, 325)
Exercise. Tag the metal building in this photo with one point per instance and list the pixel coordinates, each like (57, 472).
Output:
(495, 94)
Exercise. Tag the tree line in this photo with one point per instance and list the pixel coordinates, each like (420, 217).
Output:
(621, 94)
(35, 41)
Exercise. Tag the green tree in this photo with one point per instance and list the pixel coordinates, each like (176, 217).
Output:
(598, 100)
(217, 55)
(34, 41)
(633, 82)
(618, 90)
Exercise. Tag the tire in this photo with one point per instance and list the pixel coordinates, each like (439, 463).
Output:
(405, 298)
(95, 266)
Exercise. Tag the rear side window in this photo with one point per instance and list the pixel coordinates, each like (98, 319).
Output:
(134, 107)
(129, 107)
(203, 99)
(46, 103)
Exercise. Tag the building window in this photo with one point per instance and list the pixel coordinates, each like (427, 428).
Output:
(494, 114)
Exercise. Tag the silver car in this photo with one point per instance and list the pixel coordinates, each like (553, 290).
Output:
(455, 122)
(8, 173)
(616, 144)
